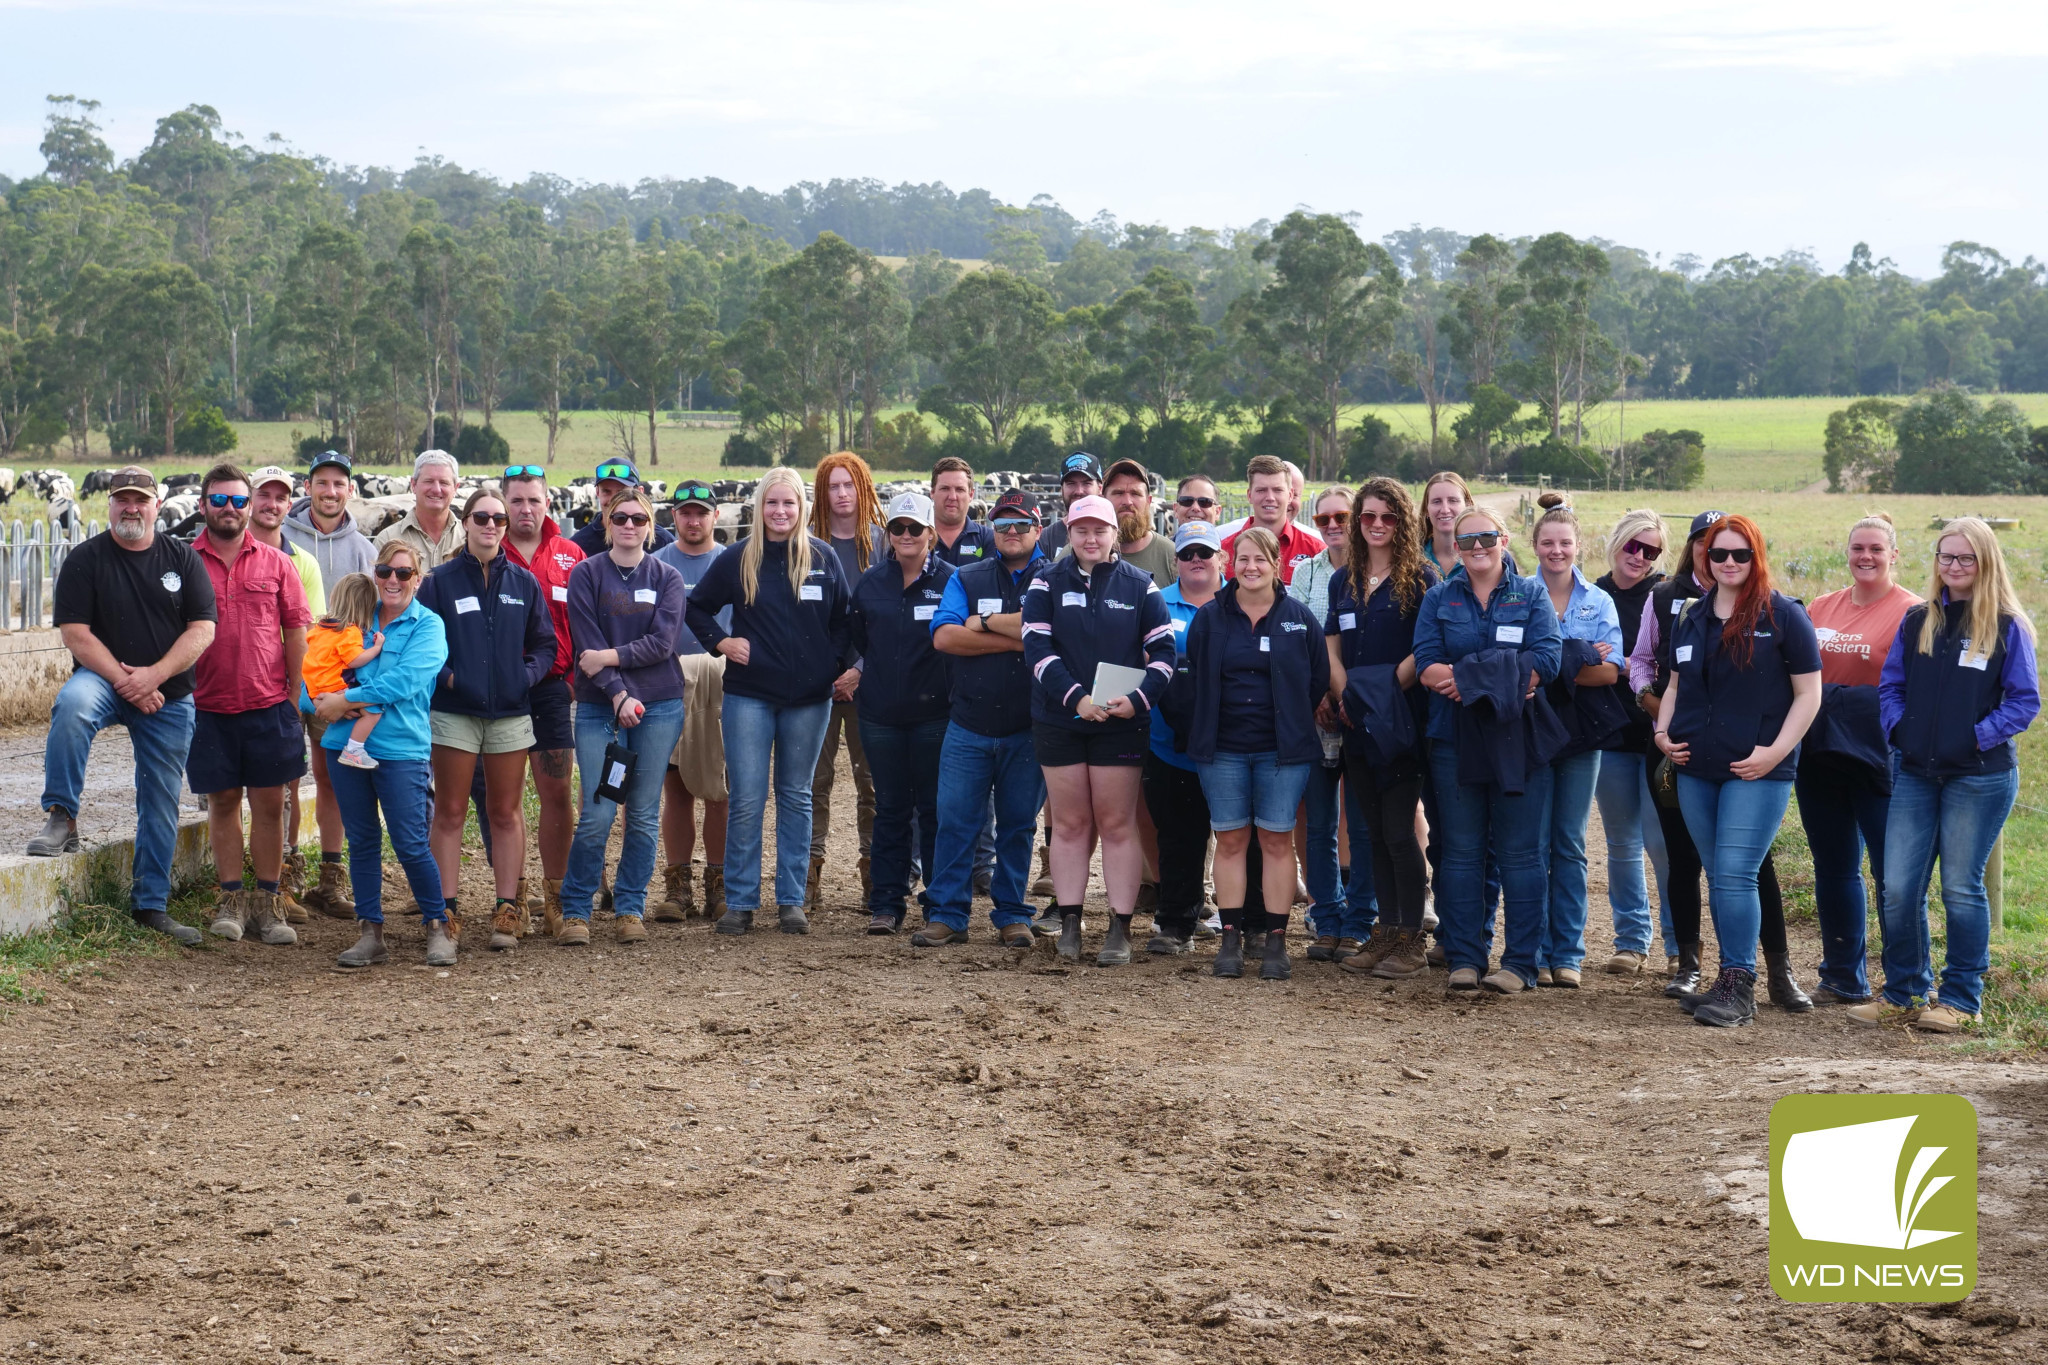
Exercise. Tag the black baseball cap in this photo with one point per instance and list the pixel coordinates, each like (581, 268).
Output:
(1081, 462)
(1701, 522)
(1014, 506)
(335, 458)
(693, 490)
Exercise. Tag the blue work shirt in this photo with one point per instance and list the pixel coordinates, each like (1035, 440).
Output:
(1178, 608)
(399, 683)
(1451, 624)
(1590, 614)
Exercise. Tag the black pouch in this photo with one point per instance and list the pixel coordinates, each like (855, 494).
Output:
(617, 773)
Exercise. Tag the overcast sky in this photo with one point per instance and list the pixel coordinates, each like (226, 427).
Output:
(1702, 128)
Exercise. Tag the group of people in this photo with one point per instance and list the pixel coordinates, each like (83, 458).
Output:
(1382, 718)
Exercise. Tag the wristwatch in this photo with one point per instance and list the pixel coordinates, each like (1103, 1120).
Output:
(978, 622)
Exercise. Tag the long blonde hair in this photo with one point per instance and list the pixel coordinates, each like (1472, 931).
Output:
(353, 602)
(1992, 599)
(799, 551)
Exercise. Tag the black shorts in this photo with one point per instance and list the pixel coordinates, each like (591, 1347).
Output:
(1055, 746)
(262, 748)
(554, 719)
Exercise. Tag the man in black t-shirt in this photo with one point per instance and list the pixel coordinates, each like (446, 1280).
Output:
(136, 610)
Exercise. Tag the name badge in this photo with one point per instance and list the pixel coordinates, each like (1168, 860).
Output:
(560, 593)
(1073, 599)
(1677, 605)
(1685, 654)
(1348, 621)
(1265, 645)
(644, 595)
(1980, 663)
(466, 604)
(988, 606)
(810, 592)
(1508, 635)
(923, 613)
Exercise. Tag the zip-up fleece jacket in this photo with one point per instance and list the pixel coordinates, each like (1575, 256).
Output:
(1300, 673)
(797, 642)
(907, 681)
(501, 639)
(399, 682)
(1948, 714)
(637, 613)
(1074, 621)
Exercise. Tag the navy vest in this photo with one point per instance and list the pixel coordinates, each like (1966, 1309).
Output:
(1937, 735)
(992, 692)
(1725, 712)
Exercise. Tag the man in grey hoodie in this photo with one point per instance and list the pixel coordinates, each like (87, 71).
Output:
(322, 525)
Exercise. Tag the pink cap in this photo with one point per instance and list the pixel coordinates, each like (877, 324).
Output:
(1091, 508)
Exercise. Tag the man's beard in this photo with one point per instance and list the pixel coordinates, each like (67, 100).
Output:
(1131, 527)
(125, 529)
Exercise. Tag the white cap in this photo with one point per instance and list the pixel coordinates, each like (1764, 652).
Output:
(910, 507)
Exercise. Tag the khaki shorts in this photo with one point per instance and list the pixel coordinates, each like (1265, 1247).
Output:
(475, 735)
(700, 753)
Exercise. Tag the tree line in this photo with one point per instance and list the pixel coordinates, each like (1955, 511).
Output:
(207, 276)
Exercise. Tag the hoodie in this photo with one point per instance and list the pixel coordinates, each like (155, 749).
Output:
(340, 552)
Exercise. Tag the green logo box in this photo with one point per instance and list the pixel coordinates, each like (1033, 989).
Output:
(1873, 1198)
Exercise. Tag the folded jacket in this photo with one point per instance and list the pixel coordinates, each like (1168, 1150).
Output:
(1593, 717)
(1846, 738)
(1501, 735)
(1378, 709)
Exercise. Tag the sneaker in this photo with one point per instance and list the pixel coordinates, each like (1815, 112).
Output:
(1047, 925)
(357, 758)
(575, 933)
(1626, 963)
(1463, 979)
(629, 928)
(1879, 1012)
(1505, 982)
(1942, 1019)
(1404, 961)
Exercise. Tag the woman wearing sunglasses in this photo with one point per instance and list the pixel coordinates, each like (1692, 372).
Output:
(789, 642)
(501, 641)
(399, 682)
(1745, 685)
(1488, 635)
(625, 608)
(1370, 626)
(1627, 812)
(905, 698)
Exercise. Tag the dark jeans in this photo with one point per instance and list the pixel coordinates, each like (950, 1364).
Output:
(903, 760)
(1181, 815)
(1842, 816)
(403, 789)
(1682, 890)
(1435, 849)
(1387, 798)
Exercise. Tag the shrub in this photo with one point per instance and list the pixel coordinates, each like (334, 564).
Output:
(1175, 448)
(1949, 443)
(902, 442)
(744, 452)
(1034, 449)
(1668, 459)
(482, 447)
(1564, 463)
(203, 431)
(1862, 447)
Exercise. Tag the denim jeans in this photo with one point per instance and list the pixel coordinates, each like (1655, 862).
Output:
(1481, 822)
(1433, 851)
(404, 790)
(1732, 824)
(1571, 801)
(904, 762)
(1957, 819)
(88, 704)
(975, 771)
(756, 733)
(1842, 816)
(1628, 814)
(651, 742)
(1340, 911)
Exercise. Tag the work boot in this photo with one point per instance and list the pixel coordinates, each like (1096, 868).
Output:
(574, 933)
(714, 890)
(1783, 984)
(440, 944)
(266, 918)
(1348, 947)
(734, 922)
(230, 913)
(505, 925)
(1165, 943)
(792, 920)
(676, 894)
(1230, 955)
(368, 950)
(629, 928)
(867, 879)
(1462, 979)
(1685, 978)
(1070, 936)
(164, 924)
(336, 899)
(1404, 959)
(1323, 948)
(1732, 1002)
(1048, 922)
(1939, 1018)
(1273, 965)
(60, 835)
(938, 936)
(1018, 936)
(882, 924)
(1626, 962)
(528, 903)
(292, 888)
(1879, 1011)
(1116, 945)
(454, 920)
(814, 884)
(1042, 884)
(1377, 945)
(1506, 982)
(551, 907)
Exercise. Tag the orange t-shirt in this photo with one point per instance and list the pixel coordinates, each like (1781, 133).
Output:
(328, 650)
(1854, 640)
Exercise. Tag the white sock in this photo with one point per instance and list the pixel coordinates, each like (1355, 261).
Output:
(355, 746)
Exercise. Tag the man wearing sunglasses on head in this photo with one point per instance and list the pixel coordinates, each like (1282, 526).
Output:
(247, 737)
(431, 528)
(613, 478)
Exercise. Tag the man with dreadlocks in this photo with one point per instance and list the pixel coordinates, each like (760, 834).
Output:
(845, 513)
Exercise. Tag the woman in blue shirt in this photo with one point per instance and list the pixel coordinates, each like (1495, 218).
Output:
(1491, 629)
(1745, 685)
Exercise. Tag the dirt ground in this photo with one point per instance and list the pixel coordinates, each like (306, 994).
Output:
(835, 1148)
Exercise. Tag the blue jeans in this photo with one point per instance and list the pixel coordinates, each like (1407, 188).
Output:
(903, 760)
(651, 742)
(1733, 823)
(1841, 817)
(1346, 911)
(1433, 852)
(1957, 819)
(973, 771)
(1481, 823)
(404, 789)
(1571, 801)
(792, 736)
(88, 704)
(1629, 816)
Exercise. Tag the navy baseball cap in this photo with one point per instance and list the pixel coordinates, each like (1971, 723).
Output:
(1701, 522)
(335, 458)
(620, 471)
(1081, 462)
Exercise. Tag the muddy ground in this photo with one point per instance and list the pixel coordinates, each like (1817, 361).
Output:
(836, 1149)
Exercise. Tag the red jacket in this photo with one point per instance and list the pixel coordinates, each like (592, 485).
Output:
(1296, 545)
(551, 564)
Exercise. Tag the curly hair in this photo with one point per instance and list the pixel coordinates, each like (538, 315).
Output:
(1405, 546)
(867, 508)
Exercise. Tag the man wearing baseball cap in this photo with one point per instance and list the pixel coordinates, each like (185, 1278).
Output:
(1080, 477)
(270, 501)
(612, 478)
(136, 610)
(322, 525)
(696, 770)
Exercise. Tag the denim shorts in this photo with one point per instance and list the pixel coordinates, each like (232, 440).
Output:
(1253, 789)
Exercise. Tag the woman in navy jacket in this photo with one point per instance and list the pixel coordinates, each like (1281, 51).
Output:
(904, 699)
(1745, 685)
(501, 641)
(1959, 686)
(1087, 609)
(1259, 667)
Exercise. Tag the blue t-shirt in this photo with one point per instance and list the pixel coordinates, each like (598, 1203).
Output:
(692, 568)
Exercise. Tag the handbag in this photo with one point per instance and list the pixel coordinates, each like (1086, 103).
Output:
(1664, 783)
(615, 775)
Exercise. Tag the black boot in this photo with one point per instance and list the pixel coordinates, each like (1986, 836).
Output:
(1732, 1002)
(1230, 957)
(1070, 936)
(1686, 979)
(1275, 966)
(1116, 946)
(1784, 986)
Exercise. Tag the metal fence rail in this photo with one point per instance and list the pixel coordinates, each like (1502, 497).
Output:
(30, 557)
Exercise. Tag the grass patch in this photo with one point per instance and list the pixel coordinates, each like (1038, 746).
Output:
(98, 926)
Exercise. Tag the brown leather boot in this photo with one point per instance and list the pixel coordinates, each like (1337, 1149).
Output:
(677, 894)
(815, 882)
(551, 907)
(266, 919)
(1377, 945)
(1408, 957)
(292, 887)
(336, 900)
(714, 890)
(505, 925)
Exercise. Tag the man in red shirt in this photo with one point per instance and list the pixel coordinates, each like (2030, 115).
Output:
(1270, 492)
(247, 738)
(535, 543)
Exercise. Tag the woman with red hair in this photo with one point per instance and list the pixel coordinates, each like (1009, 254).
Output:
(1745, 685)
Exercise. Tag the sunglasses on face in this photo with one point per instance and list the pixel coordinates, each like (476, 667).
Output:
(1643, 548)
(1479, 540)
(905, 528)
(630, 518)
(236, 500)
(1016, 527)
(1956, 561)
(1375, 519)
(1196, 552)
(393, 571)
(1335, 519)
(524, 471)
(1720, 556)
(1188, 501)
(489, 518)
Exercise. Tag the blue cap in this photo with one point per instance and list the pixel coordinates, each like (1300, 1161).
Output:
(1197, 533)
(1081, 462)
(335, 458)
